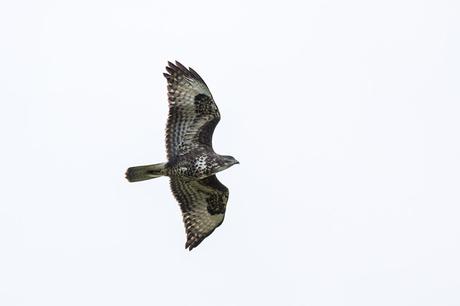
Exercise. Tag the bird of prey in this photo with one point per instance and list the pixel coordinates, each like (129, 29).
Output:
(192, 163)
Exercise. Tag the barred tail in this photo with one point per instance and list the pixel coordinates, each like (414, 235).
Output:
(142, 173)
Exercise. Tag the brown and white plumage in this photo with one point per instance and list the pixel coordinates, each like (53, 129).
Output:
(192, 162)
(203, 204)
(187, 122)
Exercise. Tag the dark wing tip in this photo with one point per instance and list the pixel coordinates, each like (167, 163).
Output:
(178, 68)
(189, 246)
(194, 241)
(182, 67)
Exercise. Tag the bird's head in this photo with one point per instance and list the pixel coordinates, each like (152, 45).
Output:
(230, 160)
(227, 162)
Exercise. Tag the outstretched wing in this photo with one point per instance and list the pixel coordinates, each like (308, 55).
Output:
(203, 205)
(193, 115)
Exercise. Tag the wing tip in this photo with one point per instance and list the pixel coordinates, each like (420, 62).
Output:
(182, 67)
(179, 68)
(194, 240)
(176, 68)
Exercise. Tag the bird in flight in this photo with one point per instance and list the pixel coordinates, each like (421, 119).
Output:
(192, 163)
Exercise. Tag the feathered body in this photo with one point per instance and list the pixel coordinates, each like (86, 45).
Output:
(192, 162)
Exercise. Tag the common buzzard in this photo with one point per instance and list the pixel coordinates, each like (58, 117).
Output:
(192, 162)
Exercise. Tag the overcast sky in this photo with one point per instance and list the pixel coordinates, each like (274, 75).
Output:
(345, 116)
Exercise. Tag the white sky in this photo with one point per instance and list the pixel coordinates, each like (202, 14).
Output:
(343, 114)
